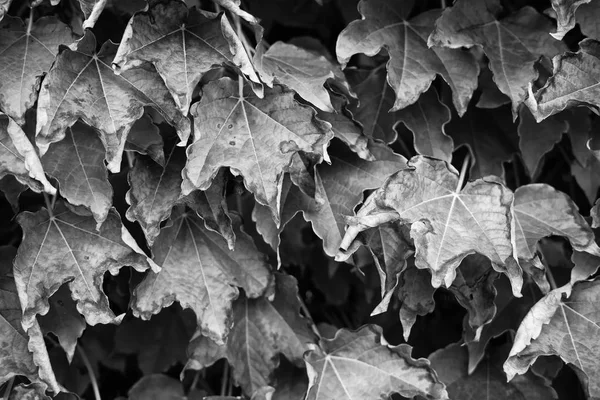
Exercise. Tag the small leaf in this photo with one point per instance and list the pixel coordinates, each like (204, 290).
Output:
(513, 44)
(81, 84)
(574, 82)
(66, 247)
(361, 365)
(201, 273)
(565, 16)
(586, 17)
(77, 163)
(183, 45)
(447, 223)
(157, 387)
(254, 137)
(144, 138)
(413, 65)
(261, 331)
(562, 326)
(416, 294)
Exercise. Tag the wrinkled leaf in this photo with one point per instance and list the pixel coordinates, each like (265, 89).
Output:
(565, 15)
(361, 365)
(416, 294)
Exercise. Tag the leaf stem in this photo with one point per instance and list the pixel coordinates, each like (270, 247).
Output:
(8, 389)
(49, 203)
(307, 314)
(130, 158)
(30, 22)
(90, 370)
(463, 172)
(238, 27)
(224, 379)
(443, 4)
(550, 278)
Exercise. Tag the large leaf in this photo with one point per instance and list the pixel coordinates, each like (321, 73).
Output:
(81, 84)
(488, 380)
(574, 82)
(256, 138)
(447, 222)
(27, 53)
(361, 365)
(565, 15)
(66, 247)
(513, 44)
(77, 163)
(562, 326)
(261, 331)
(19, 157)
(201, 273)
(412, 65)
(183, 45)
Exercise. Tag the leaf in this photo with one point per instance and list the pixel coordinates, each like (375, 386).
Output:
(81, 84)
(144, 138)
(12, 189)
(490, 136)
(301, 70)
(157, 387)
(584, 266)
(77, 163)
(513, 44)
(154, 190)
(426, 120)
(595, 213)
(66, 247)
(565, 16)
(201, 273)
(412, 65)
(261, 331)
(234, 7)
(586, 17)
(573, 82)
(27, 53)
(91, 10)
(34, 391)
(21, 352)
(63, 320)
(416, 294)
(488, 380)
(361, 365)
(19, 157)
(158, 343)
(4, 5)
(339, 189)
(588, 177)
(566, 326)
(491, 96)
(255, 138)
(541, 211)
(447, 222)
(183, 45)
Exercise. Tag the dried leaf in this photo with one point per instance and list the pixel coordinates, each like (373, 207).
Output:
(565, 15)
(157, 387)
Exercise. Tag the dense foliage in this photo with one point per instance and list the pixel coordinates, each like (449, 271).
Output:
(299, 199)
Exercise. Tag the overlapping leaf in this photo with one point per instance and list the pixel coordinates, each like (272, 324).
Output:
(144, 138)
(261, 331)
(254, 137)
(586, 17)
(27, 53)
(81, 84)
(513, 44)
(447, 222)
(77, 163)
(361, 365)
(66, 247)
(19, 157)
(562, 326)
(412, 65)
(565, 15)
(574, 82)
(201, 273)
(183, 45)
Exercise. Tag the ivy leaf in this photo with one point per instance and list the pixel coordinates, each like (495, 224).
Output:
(426, 120)
(144, 138)
(339, 189)
(490, 136)
(362, 365)
(262, 330)
(586, 17)
(188, 252)
(588, 177)
(183, 45)
(565, 16)
(574, 81)
(412, 65)
(81, 84)
(27, 53)
(77, 163)
(4, 5)
(154, 190)
(302, 71)
(19, 157)
(513, 44)
(21, 351)
(447, 222)
(33, 391)
(255, 138)
(63, 320)
(66, 247)
(416, 294)
(488, 380)
(562, 326)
